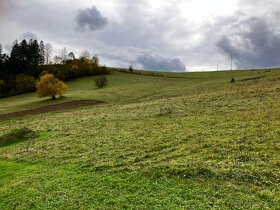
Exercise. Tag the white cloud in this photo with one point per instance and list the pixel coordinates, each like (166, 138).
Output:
(199, 10)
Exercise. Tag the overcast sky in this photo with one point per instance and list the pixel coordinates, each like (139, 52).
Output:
(167, 35)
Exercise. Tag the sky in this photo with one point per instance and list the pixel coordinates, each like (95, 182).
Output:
(163, 35)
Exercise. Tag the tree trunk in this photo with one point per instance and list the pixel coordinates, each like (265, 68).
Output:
(53, 97)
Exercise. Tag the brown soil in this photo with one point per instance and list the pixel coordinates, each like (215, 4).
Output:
(50, 108)
(253, 78)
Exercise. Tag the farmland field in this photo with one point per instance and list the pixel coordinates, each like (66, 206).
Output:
(198, 141)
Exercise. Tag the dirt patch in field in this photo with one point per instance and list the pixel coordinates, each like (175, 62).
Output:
(253, 78)
(50, 108)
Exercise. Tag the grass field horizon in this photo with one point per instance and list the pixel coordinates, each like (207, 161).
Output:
(198, 141)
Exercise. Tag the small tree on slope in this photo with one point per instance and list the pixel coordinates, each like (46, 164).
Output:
(50, 86)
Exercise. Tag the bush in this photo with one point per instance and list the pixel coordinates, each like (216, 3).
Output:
(25, 83)
(50, 86)
(101, 82)
(130, 68)
(16, 136)
(2, 85)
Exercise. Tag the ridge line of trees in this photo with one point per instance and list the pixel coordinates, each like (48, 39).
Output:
(20, 69)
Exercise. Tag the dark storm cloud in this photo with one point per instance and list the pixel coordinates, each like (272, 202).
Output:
(91, 18)
(159, 63)
(254, 43)
(143, 59)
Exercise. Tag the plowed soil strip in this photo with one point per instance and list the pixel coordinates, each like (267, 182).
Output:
(50, 108)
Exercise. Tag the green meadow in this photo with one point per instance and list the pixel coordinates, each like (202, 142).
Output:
(194, 142)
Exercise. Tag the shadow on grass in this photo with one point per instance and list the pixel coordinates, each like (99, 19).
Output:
(20, 135)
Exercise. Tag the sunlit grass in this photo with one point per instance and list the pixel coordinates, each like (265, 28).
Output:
(198, 142)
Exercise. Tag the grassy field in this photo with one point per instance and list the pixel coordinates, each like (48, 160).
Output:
(193, 142)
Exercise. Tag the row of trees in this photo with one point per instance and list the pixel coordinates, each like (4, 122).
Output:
(25, 64)
(25, 57)
(19, 69)
(65, 56)
(75, 68)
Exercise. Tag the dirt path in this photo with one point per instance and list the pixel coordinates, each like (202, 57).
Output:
(50, 108)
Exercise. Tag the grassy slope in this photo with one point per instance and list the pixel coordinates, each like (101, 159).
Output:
(197, 142)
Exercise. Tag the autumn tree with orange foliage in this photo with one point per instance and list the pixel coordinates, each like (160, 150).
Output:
(48, 85)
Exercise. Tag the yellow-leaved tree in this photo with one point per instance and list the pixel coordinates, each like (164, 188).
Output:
(48, 85)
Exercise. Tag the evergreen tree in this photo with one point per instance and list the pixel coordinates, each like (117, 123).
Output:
(15, 58)
(25, 57)
(3, 65)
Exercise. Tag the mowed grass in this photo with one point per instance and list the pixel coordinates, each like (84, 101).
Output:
(122, 88)
(193, 142)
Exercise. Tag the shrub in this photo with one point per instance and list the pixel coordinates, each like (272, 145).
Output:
(2, 85)
(25, 83)
(16, 136)
(130, 68)
(101, 82)
(50, 86)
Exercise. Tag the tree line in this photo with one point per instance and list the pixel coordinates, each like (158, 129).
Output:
(20, 69)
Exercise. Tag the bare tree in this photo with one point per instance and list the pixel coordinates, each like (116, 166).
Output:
(48, 52)
(64, 54)
(57, 59)
(85, 54)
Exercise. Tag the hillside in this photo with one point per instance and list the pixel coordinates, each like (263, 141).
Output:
(157, 142)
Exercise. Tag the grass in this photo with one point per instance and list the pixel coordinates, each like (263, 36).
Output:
(84, 88)
(60, 187)
(197, 142)
(16, 136)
